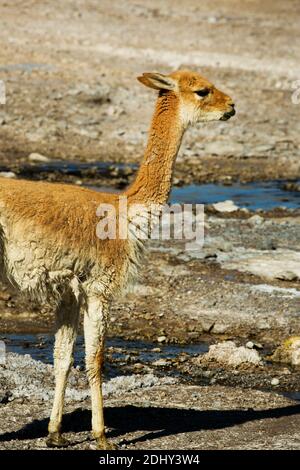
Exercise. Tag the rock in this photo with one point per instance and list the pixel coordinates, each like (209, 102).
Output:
(2, 353)
(219, 328)
(161, 339)
(212, 19)
(207, 325)
(251, 345)
(4, 397)
(5, 296)
(226, 206)
(256, 220)
(292, 186)
(229, 354)
(273, 264)
(288, 352)
(38, 158)
(36, 380)
(275, 382)
(160, 363)
(287, 276)
(263, 148)
(7, 174)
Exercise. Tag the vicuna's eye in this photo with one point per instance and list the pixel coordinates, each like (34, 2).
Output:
(203, 92)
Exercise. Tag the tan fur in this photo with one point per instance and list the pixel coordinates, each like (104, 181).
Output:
(48, 243)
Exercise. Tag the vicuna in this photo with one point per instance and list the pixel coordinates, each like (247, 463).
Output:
(49, 248)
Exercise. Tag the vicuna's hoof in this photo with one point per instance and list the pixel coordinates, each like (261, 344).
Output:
(104, 444)
(56, 440)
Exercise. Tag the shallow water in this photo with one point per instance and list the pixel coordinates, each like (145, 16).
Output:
(258, 195)
(264, 195)
(40, 347)
(292, 395)
(79, 169)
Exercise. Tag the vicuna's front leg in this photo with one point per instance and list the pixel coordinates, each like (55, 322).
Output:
(95, 321)
(67, 325)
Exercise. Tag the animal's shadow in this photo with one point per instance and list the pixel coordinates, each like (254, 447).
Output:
(155, 422)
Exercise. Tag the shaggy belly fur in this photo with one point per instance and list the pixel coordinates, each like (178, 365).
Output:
(44, 273)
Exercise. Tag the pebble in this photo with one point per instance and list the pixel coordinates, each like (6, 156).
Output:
(263, 148)
(38, 158)
(5, 296)
(256, 220)
(4, 397)
(207, 373)
(288, 352)
(161, 339)
(160, 363)
(251, 345)
(7, 174)
(275, 382)
(139, 365)
(287, 276)
(226, 206)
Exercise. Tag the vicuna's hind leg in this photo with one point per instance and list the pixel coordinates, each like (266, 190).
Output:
(67, 325)
(95, 321)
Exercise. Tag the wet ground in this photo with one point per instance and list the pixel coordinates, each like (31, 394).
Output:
(109, 176)
(72, 97)
(184, 302)
(124, 358)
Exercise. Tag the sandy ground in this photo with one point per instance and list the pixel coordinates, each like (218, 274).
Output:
(143, 412)
(200, 418)
(69, 69)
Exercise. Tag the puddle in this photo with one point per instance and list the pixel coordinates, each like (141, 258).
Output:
(259, 195)
(75, 169)
(253, 196)
(122, 356)
(264, 195)
(292, 395)
(118, 351)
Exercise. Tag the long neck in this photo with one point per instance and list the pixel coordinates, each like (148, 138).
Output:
(154, 178)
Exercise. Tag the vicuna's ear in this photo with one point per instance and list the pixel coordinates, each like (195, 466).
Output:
(157, 81)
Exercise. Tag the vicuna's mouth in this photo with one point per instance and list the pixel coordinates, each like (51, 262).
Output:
(228, 115)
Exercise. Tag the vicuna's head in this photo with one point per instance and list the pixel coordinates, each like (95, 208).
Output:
(198, 99)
